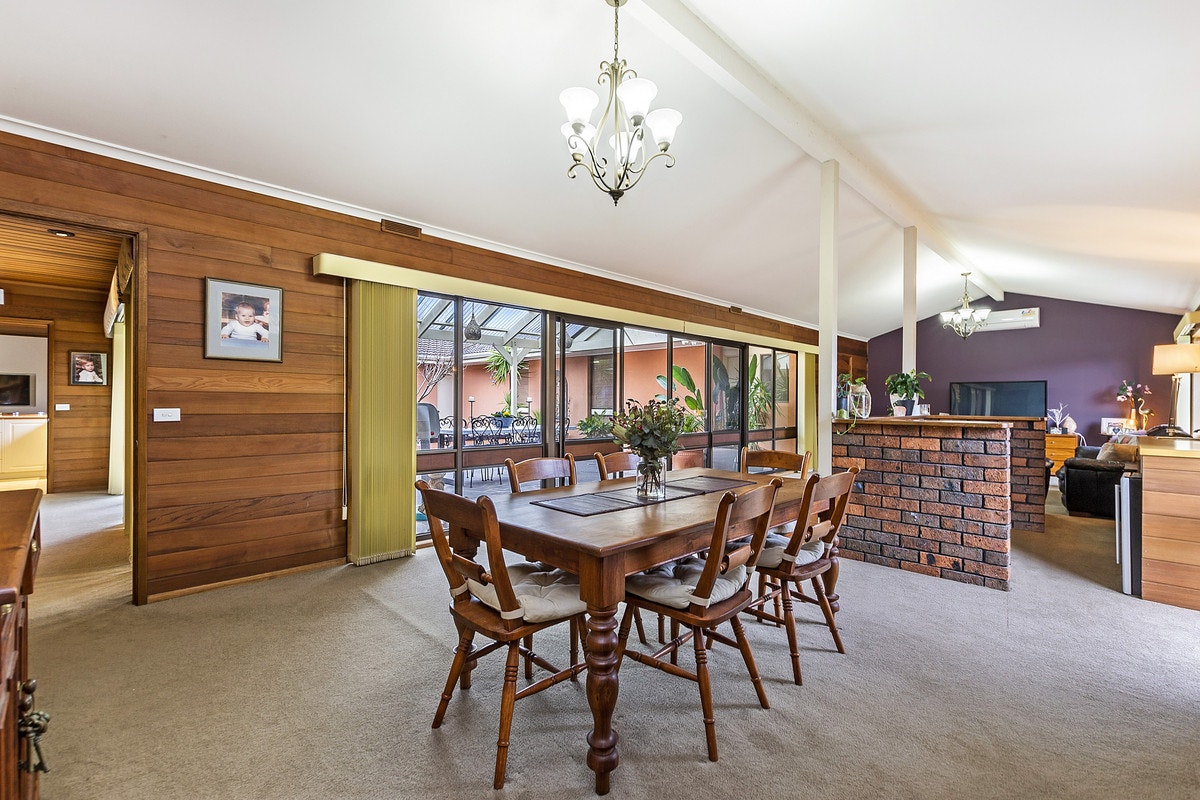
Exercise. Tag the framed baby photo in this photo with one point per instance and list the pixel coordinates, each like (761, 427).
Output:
(88, 369)
(242, 321)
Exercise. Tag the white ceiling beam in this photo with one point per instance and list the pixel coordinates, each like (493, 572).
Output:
(678, 26)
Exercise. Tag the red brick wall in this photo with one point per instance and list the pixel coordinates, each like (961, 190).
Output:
(931, 497)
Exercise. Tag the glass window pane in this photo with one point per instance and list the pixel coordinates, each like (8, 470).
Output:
(584, 382)
(761, 391)
(435, 372)
(644, 368)
(725, 387)
(688, 377)
(501, 375)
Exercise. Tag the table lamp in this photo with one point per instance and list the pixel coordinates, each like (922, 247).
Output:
(1175, 360)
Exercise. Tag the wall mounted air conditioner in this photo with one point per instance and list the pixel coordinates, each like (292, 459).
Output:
(1011, 319)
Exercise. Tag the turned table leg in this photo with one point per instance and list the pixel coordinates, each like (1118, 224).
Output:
(602, 692)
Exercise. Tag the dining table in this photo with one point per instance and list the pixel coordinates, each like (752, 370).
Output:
(604, 534)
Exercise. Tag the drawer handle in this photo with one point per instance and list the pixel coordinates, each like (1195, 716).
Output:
(6, 609)
(34, 546)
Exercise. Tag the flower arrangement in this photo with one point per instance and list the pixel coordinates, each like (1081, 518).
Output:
(652, 431)
(1135, 394)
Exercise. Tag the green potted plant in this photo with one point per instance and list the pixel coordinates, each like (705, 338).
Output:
(905, 388)
(845, 386)
(595, 426)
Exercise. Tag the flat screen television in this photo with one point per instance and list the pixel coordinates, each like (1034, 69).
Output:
(998, 399)
(16, 390)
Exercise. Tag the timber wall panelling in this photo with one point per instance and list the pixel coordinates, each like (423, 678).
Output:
(250, 481)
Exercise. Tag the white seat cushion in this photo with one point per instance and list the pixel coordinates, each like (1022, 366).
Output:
(543, 594)
(773, 547)
(673, 584)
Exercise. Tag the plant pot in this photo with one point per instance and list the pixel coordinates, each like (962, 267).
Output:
(907, 404)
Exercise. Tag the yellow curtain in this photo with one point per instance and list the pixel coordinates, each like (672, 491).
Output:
(382, 421)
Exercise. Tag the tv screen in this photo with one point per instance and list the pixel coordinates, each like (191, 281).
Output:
(998, 399)
(16, 390)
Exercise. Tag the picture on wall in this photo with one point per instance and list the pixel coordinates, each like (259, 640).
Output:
(88, 369)
(242, 321)
(1112, 425)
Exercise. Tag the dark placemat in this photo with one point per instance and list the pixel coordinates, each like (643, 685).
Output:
(585, 505)
(704, 484)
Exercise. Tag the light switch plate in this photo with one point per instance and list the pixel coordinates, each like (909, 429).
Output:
(62, 406)
(166, 415)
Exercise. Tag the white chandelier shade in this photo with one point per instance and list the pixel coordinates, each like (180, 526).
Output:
(965, 320)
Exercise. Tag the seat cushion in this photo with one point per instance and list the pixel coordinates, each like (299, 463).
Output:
(673, 584)
(775, 544)
(544, 594)
(1127, 453)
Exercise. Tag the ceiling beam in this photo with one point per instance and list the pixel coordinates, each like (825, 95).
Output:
(675, 23)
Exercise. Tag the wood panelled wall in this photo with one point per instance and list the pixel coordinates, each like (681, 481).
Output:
(77, 450)
(250, 481)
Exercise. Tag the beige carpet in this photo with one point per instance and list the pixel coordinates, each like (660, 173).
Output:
(323, 685)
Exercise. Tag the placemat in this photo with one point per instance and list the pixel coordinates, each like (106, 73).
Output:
(704, 484)
(585, 505)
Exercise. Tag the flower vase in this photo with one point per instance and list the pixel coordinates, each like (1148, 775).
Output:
(652, 479)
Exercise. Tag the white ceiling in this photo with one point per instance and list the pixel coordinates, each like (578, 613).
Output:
(1051, 147)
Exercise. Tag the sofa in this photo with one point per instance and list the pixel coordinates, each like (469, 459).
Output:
(1087, 481)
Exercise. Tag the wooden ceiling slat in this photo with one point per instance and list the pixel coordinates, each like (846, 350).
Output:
(31, 255)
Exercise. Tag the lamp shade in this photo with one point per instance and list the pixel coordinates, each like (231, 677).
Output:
(1173, 359)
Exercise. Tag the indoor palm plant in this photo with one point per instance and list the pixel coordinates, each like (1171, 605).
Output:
(652, 431)
(905, 387)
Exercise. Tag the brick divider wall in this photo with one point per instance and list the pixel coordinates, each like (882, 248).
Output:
(931, 497)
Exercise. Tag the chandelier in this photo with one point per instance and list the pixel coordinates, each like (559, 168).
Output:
(965, 320)
(614, 152)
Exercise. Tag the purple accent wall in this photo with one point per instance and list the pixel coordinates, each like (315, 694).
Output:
(1082, 351)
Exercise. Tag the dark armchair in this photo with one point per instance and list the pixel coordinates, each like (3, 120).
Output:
(1087, 483)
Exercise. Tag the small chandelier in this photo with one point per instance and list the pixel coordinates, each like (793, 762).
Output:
(965, 320)
(624, 125)
(472, 332)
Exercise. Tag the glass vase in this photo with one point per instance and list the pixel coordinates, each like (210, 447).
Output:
(652, 479)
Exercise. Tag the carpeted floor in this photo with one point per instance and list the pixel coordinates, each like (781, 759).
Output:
(323, 685)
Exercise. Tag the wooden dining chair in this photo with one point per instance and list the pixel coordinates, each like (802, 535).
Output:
(540, 469)
(507, 604)
(775, 461)
(687, 458)
(615, 465)
(700, 594)
(808, 553)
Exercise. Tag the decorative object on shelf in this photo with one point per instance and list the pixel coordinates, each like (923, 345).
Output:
(1175, 360)
(1135, 394)
(242, 321)
(624, 125)
(860, 401)
(652, 431)
(88, 369)
(845, 387)
(905, 388)
(1055, 418)
(965, 320)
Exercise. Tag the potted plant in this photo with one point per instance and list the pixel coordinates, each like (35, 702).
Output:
(652, 431)
(905, 388)
(845, 387)
(595, 426)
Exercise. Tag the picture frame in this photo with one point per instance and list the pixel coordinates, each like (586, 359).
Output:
(242, 321)
(1112, 425)
(87, 369)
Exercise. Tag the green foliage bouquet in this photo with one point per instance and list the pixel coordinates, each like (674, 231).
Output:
(652, 431)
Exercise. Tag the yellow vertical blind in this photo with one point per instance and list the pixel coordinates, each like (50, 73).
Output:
(382, 421)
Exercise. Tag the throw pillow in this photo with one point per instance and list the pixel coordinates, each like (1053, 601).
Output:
(1127, 453)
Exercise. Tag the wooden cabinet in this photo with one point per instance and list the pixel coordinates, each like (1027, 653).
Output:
(22, 447)
(20, 544)
(1060, 447)
(1171, 521)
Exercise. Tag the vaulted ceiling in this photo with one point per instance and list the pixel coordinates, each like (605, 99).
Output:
(1049, 148)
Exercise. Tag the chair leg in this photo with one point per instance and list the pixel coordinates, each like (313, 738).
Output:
(662, 629)
(574, 624)
(637, 620)
(789, 622)
(456, 668)
(705, 683)
(529, 658)
(508, 699)
(748, 657)
(827, 610)
(623, 633)
(674, 636)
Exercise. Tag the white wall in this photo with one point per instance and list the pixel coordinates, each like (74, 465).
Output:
(25, 354)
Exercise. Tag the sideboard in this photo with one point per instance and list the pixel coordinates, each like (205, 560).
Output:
(20, 545)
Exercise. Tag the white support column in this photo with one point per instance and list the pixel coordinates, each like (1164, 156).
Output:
(827, 316)
(908, 347)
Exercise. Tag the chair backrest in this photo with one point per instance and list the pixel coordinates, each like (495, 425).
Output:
(525, 429)
(822, 510)
(775, 460)
(469, 522)
(738, 516)
(540, 469)
(613, 464)
(687, 458)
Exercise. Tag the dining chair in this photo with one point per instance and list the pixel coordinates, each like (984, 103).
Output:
(808, 553)
(507, 604)
(775, 461)
(615, 465)
(687, 458)
(542, 468)
(701, 594)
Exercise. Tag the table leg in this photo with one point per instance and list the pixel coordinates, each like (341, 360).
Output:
(602, 692)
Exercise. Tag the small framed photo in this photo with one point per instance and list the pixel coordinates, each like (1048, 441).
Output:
(1112, 425)
(242, 321)
(88, 369)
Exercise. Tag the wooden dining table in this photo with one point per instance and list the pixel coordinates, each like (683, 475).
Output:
(602, 548)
